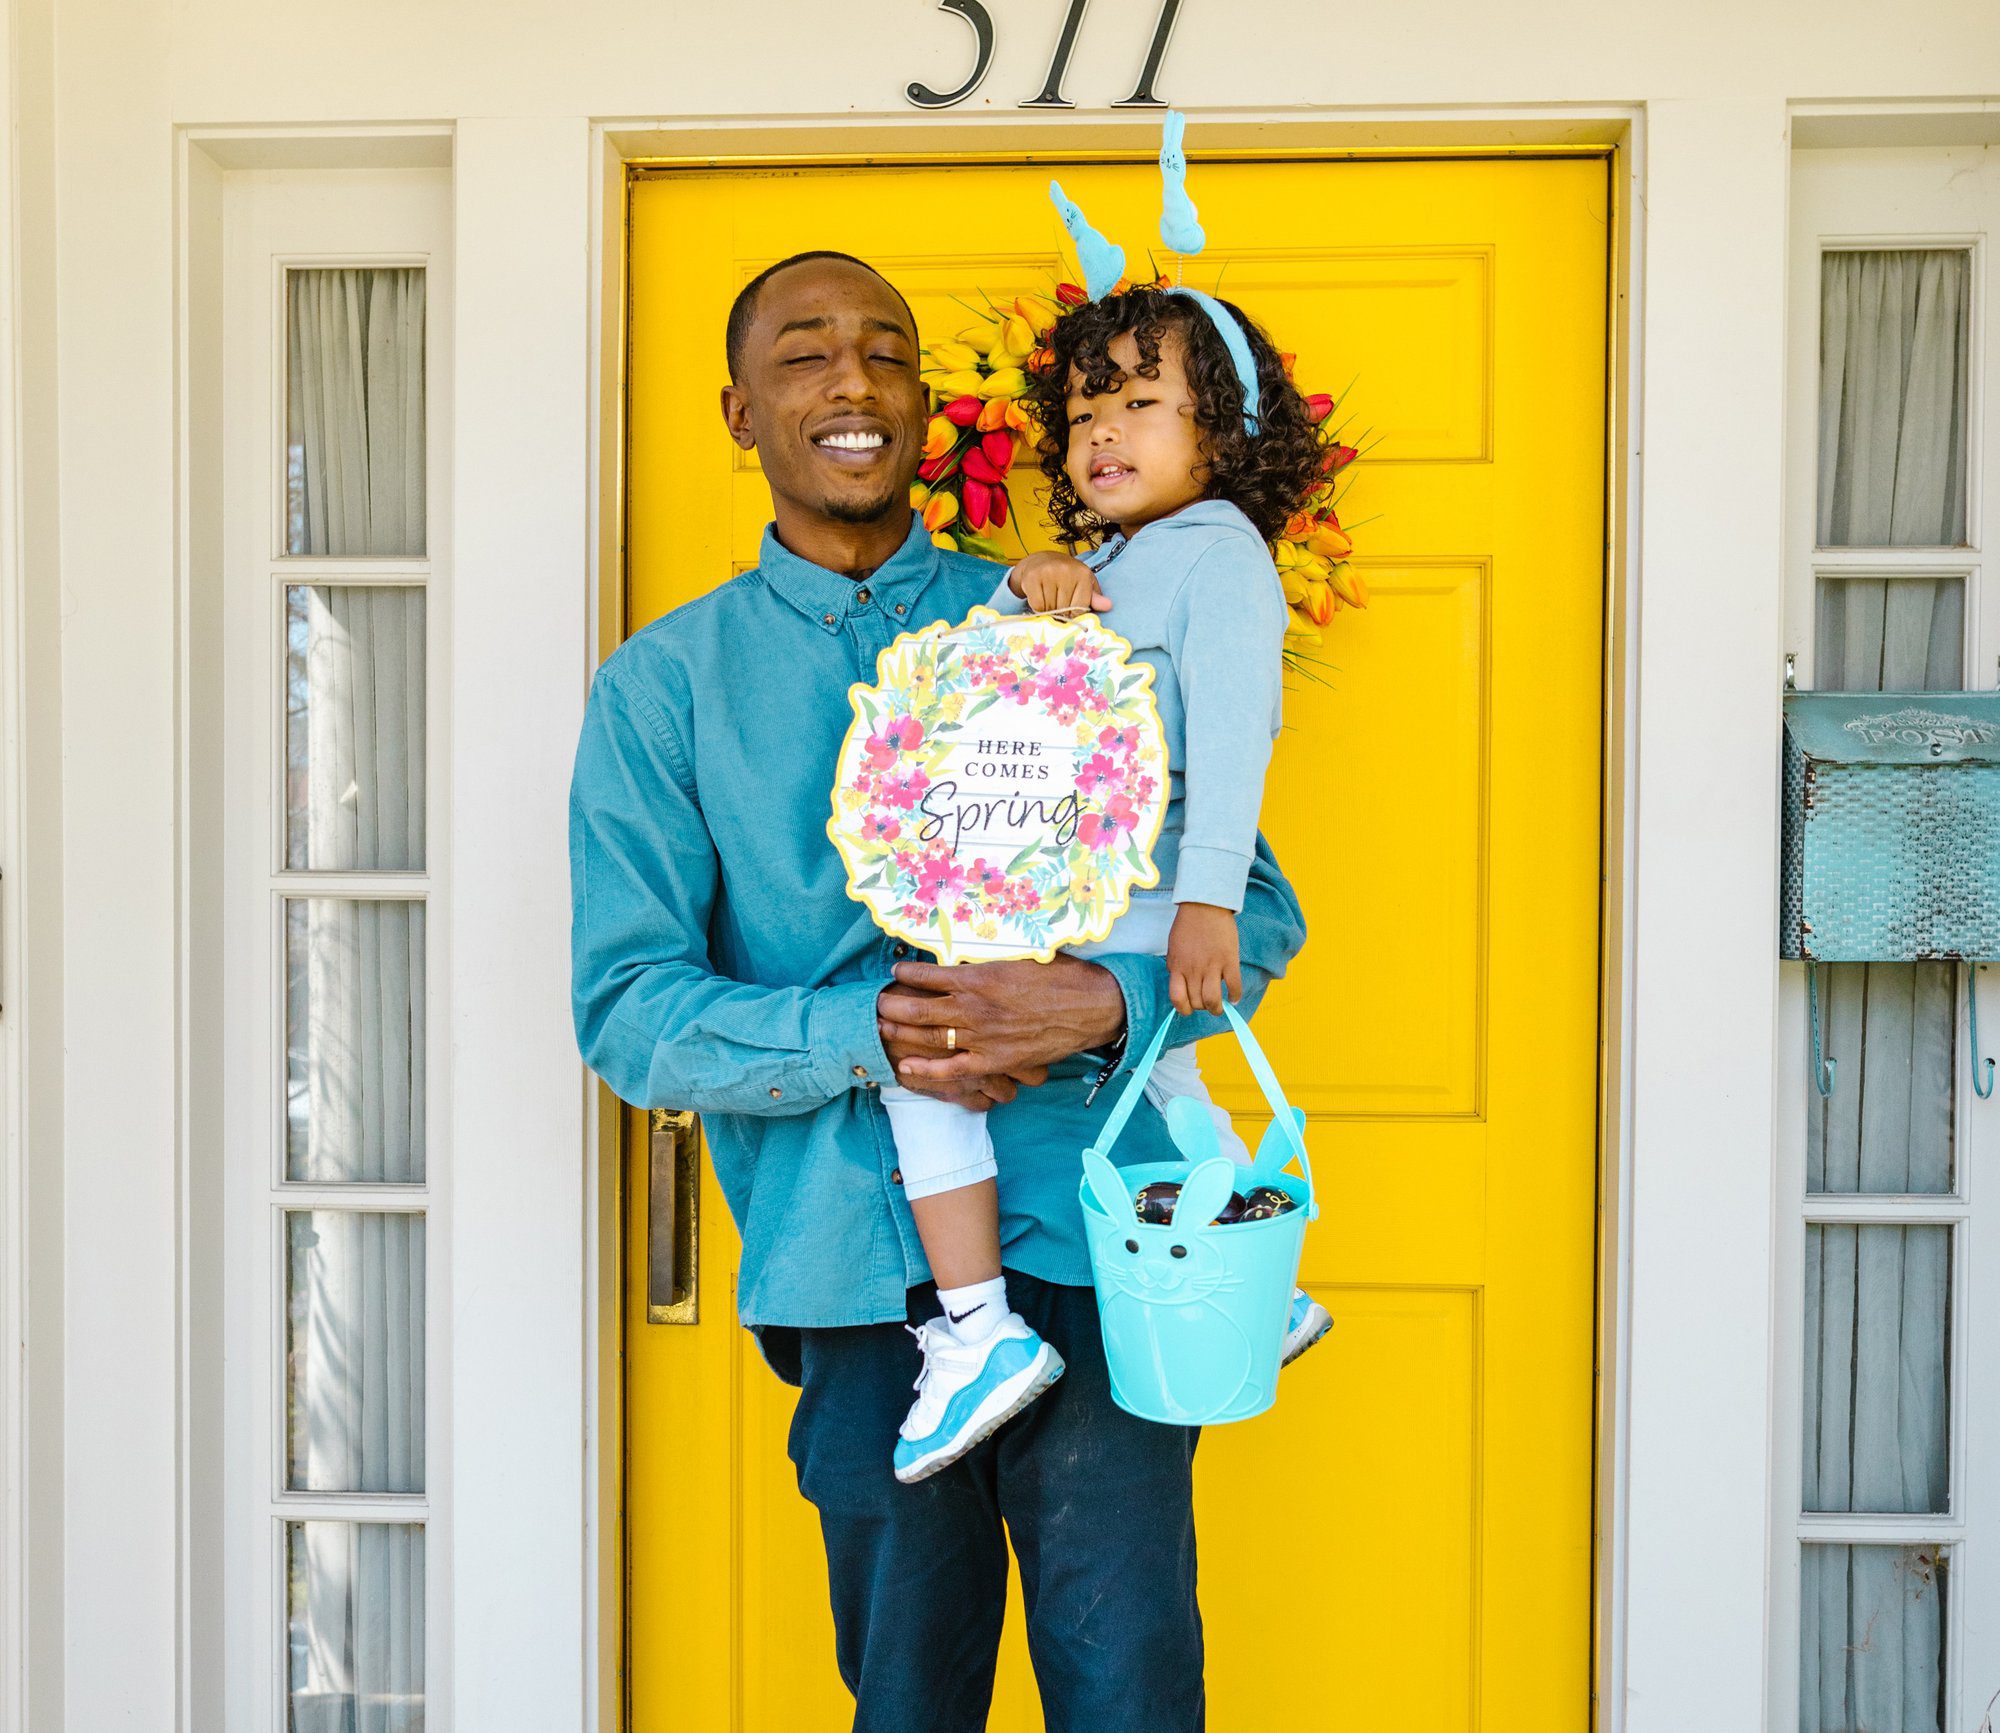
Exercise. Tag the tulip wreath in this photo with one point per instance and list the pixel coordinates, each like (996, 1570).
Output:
(978, 384)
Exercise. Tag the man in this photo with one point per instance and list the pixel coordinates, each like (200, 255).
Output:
(720, 965)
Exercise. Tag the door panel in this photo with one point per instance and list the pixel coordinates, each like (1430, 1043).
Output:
(1414, 1515)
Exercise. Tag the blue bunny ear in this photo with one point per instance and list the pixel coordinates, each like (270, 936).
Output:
(1179, 227)
(1192, 1129)
(1206, 1191)
(1102, 264)
(1111, 1193)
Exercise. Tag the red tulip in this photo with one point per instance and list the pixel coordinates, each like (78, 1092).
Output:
(1319, 406)
(1343, 455)
(997, 508)
(978, 503)
(962, 411)
(998, 449)
(1070, 295)
(978, 467)
(932, 468)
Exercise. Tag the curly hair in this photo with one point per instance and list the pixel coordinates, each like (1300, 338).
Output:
(1267, 476)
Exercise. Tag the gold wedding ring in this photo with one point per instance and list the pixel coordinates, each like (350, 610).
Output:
(951, 1038)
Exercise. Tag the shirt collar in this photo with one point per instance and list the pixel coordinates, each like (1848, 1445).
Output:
(828, 598)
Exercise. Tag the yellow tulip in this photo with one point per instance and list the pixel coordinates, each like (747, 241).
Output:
(982, 337)
(966, 382)
(1319, 602)
(1298, 626)
(939, 513)
(1019, 337)
(941, 540)
(1038, 310)
(1351, 586)
(939, 437)
(1289, 556)
(1331, 542)
(1004, 382)
(953, 357)
(919, 496)
(1294, 582)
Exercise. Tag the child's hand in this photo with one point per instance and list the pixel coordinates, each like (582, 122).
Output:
(1052, 581)
(1202, 959)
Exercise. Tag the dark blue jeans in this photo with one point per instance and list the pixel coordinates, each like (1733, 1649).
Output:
(1099, 1508)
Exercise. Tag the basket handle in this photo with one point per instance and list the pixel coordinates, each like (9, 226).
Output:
(1260, 1068)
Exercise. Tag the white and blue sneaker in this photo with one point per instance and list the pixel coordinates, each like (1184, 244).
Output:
(1309, 1321)
(968, 1390)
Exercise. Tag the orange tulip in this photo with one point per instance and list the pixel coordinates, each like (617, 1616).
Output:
(1319, 603)
(1330, 539)
(993, 414)
(941, 511)
(1351, 586)
(1297, 527)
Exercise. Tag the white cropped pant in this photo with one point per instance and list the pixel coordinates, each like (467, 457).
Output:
(941, 1146)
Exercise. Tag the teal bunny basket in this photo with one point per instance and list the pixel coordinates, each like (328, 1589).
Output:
(1194, 1315)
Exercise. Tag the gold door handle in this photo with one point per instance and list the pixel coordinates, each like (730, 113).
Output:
(673, 1216)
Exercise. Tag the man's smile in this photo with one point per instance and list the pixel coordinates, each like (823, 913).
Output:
(853, 444)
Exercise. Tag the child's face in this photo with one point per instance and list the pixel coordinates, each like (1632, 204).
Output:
(1135, 451)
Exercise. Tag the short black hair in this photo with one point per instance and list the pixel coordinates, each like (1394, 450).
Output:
(743, 310)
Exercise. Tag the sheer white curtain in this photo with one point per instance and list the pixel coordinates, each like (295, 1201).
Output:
(356, 1365)
(1893, 341)
(1877, 1299)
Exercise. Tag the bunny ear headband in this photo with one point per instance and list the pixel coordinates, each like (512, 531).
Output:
(1103, 264)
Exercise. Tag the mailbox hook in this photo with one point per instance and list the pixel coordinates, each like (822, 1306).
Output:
(1981, 1068)
(1822, 1067)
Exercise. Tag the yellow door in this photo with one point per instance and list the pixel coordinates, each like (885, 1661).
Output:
(1404, 1544)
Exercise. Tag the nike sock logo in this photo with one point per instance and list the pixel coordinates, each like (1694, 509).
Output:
(960, 1317)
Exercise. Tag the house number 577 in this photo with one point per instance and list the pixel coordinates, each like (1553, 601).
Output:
(981, 20)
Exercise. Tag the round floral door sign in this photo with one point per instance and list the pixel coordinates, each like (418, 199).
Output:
(1001, 787)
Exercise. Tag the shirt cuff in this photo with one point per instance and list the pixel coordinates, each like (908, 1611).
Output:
(846, 1038)
(1142, 980)
(1211, 875)
(1006, 601)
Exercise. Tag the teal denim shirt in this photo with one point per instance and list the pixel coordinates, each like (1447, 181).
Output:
(719, 964)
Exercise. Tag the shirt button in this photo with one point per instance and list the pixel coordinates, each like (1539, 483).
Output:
(861, 1071)
(829, 619)
(775, 1093)
(900, 951)
(899, 607)
(862, 595)
(896, 1176)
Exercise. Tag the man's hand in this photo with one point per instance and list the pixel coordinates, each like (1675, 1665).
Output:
(1051, 582)
(994, 1025)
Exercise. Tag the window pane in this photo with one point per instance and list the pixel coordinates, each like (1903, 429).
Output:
(1872, 1649)
(354, 411)
(1891, 1028)
(354, 1351)
(355, 1599)
(1890, 635)
(1877, 1357)
(354, 727)
(1893, 342)
(354, 1041)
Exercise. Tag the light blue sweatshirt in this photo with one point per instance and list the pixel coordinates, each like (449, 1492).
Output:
(1199, 601)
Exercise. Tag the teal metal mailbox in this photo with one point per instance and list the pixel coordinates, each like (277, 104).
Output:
(1891, 832)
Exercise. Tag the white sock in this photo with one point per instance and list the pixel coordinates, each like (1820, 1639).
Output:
(973, 1312)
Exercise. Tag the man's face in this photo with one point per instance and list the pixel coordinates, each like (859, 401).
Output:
(828, 394)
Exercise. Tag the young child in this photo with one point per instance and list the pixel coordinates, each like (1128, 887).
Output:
(1179, 452)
